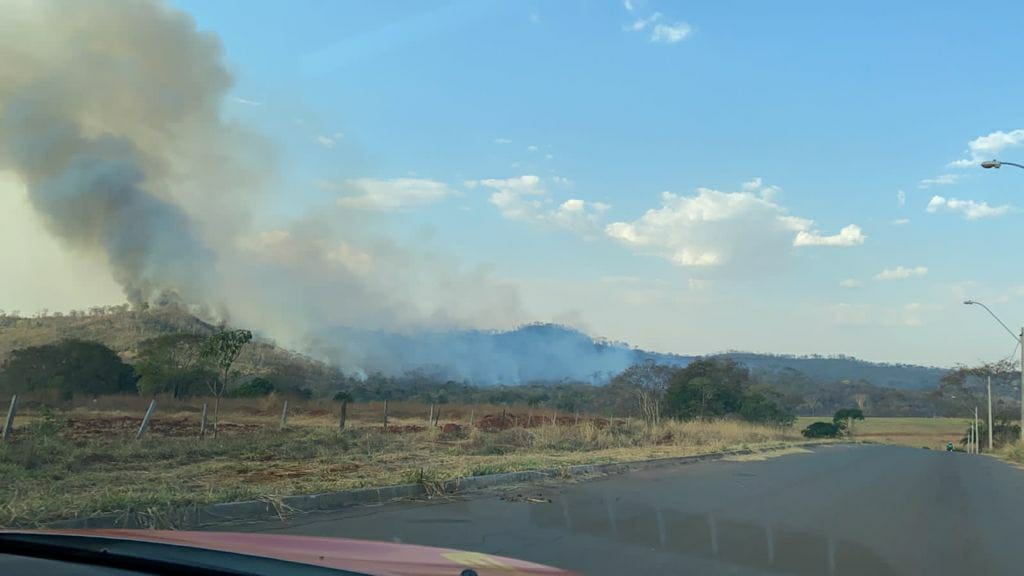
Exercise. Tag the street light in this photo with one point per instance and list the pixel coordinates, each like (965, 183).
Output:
(1020, 342)
(998, 164)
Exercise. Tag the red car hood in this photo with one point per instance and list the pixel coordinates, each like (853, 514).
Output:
(364, 556)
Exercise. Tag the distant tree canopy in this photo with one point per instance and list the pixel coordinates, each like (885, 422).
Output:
(173, 364)
(255, 388)
(715, 387)
(68, 367)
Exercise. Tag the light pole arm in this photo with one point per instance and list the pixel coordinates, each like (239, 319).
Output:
(1015, 337)
(1021, 166)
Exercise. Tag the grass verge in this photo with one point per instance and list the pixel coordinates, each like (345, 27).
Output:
(50, 475)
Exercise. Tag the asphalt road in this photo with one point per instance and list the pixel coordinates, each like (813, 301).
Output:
(836, 510)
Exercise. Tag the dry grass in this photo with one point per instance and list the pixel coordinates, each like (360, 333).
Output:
(50, 473)
(917, 432)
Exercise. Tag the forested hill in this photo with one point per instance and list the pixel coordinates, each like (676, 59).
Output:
(840, 368)
(532, 353)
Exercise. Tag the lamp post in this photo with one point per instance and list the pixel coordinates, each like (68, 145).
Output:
(999, 164)
(1020, 342)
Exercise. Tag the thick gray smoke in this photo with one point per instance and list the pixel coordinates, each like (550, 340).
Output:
(110, 114)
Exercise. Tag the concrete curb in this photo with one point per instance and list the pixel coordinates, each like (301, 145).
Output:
(264, 509)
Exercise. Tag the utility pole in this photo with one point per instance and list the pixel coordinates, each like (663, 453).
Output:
(989, 412)
(1021, 341)
(977, 441)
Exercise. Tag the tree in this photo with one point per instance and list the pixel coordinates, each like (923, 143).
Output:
(173, 363)
(68, 367)
(706, 388)
(222, 349)
(255, 388)
(646, 383)
(822, 430)
(760, 404)
(344, 397)
(844, 418)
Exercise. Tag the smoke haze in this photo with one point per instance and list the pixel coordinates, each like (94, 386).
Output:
(110, 115)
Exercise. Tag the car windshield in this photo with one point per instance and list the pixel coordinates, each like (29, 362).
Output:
(596, 286)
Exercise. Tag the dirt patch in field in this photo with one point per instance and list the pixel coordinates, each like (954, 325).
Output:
(406, 429)
(128, 425)
(507, 420)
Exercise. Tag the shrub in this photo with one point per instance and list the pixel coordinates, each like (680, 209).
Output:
(822, 430)
(255, 388)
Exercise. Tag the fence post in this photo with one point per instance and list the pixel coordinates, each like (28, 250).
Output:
(576, 420)
(344, 415)
(145, 419)
(9, 423)
(284, 415)
(554, 418)
(472, 413)
(385, 415)
(437, 415)
(202, 422)
(430, 419)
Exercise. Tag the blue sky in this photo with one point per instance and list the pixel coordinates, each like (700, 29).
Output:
(687, 177)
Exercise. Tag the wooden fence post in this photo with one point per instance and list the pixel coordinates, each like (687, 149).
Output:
(202, 422)
(430, 419)
(437, 415)
(344, 415)
(385, 415)
(145, 419)
(576, 421)
(284, 415)
(472, 413)
(9, 423)
(554, 418)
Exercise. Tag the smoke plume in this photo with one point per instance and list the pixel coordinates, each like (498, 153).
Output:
(111, 116)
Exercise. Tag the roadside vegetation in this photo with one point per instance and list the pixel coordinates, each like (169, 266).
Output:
(84, 461)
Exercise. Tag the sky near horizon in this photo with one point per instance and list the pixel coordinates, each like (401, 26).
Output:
(792, 177)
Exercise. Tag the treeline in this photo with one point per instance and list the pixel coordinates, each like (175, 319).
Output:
(183, 365)
(712, 387)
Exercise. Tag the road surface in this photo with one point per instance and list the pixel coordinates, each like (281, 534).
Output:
(834, 510)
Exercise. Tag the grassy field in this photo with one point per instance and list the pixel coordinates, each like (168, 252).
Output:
(916, 432)
(83, 459)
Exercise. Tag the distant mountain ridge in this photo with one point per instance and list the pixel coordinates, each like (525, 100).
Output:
(530, 353)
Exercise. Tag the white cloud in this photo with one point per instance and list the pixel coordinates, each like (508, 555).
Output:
(628, 5)
(526, 199)
(851, 283)
(670, 34)
(549, 156)
(393, 194)
(941, 180)
(901, 198)
(577, 215)
(850, 235)
(901, 273)
(517, 198)
(531, 148)
(716, 228)
(245, 101)
(641, 23)
(969, 208)
(328, 141)
(535, 17)
(502, 141)
(900, 221)
(757, 186)
(989, 146)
